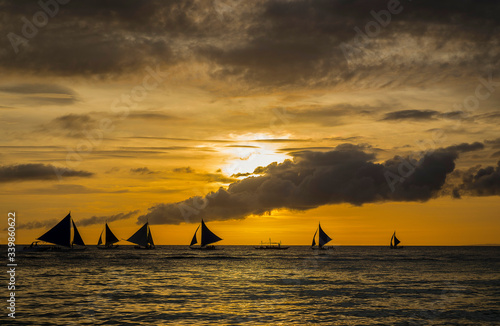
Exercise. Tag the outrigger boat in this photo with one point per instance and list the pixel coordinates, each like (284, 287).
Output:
(34, 247)
(323, 239)
(110, 239)
(64, 235)
(395, 242)
(207, 238)
(143, 238)
(271, 246)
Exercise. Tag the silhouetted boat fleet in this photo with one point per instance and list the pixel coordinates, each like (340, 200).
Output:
(64, 236)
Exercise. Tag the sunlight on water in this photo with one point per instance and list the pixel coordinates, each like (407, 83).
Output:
(239, 285)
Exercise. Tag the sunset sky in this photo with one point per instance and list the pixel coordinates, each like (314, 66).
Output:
(262, 117)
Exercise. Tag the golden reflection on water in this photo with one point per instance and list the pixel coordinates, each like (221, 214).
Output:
(238, 285)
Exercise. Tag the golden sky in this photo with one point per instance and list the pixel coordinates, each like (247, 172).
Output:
(264, 118)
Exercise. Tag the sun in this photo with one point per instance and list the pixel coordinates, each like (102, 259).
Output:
(251, 152)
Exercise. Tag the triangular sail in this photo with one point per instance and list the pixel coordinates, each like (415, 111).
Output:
(207, 236)
(141, 236)
(77, 239)
(150, 237)
(314, 238)
(323, 237)
(110, 237)
(194, 241)
(59, 234)
(396, 241)
(100, 239)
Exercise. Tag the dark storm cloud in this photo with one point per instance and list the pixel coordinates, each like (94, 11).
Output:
(482, 182)
(95, 37)
(344, 175)
(298, 42)
(263, 42)
(36, 171)
(465, 147)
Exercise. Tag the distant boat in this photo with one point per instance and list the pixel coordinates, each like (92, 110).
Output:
(323, 239)
(207, 237)
(143, 238)
(271, 246)
(34, 247)
(109, 239)
(64, 234)
(395, 242)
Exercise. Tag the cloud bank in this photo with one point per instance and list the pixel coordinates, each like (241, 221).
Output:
(257, 42)
(346, 174)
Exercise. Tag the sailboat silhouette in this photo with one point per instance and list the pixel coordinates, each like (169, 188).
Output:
(143, 238)
(395, 241)
(64, 235)
(109, 239)
(207, 238)
(323, 239)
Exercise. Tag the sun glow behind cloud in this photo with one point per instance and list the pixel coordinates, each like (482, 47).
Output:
(248, 154)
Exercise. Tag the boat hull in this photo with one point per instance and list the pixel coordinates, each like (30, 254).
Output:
(322, 248)
(144, 248)
(271, 248)
(107, 247)
(61, 249)
(36, 249)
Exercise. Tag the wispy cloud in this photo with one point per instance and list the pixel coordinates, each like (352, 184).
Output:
(186, 169)
(107, 218)
(411, 115)
(71, 125)
(41, 94)
(37, 171)
(144, 171)
(83, 222)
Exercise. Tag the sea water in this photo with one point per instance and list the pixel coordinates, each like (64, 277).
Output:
(239, 285)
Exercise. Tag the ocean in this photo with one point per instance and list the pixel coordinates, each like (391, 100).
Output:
(239, 285)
